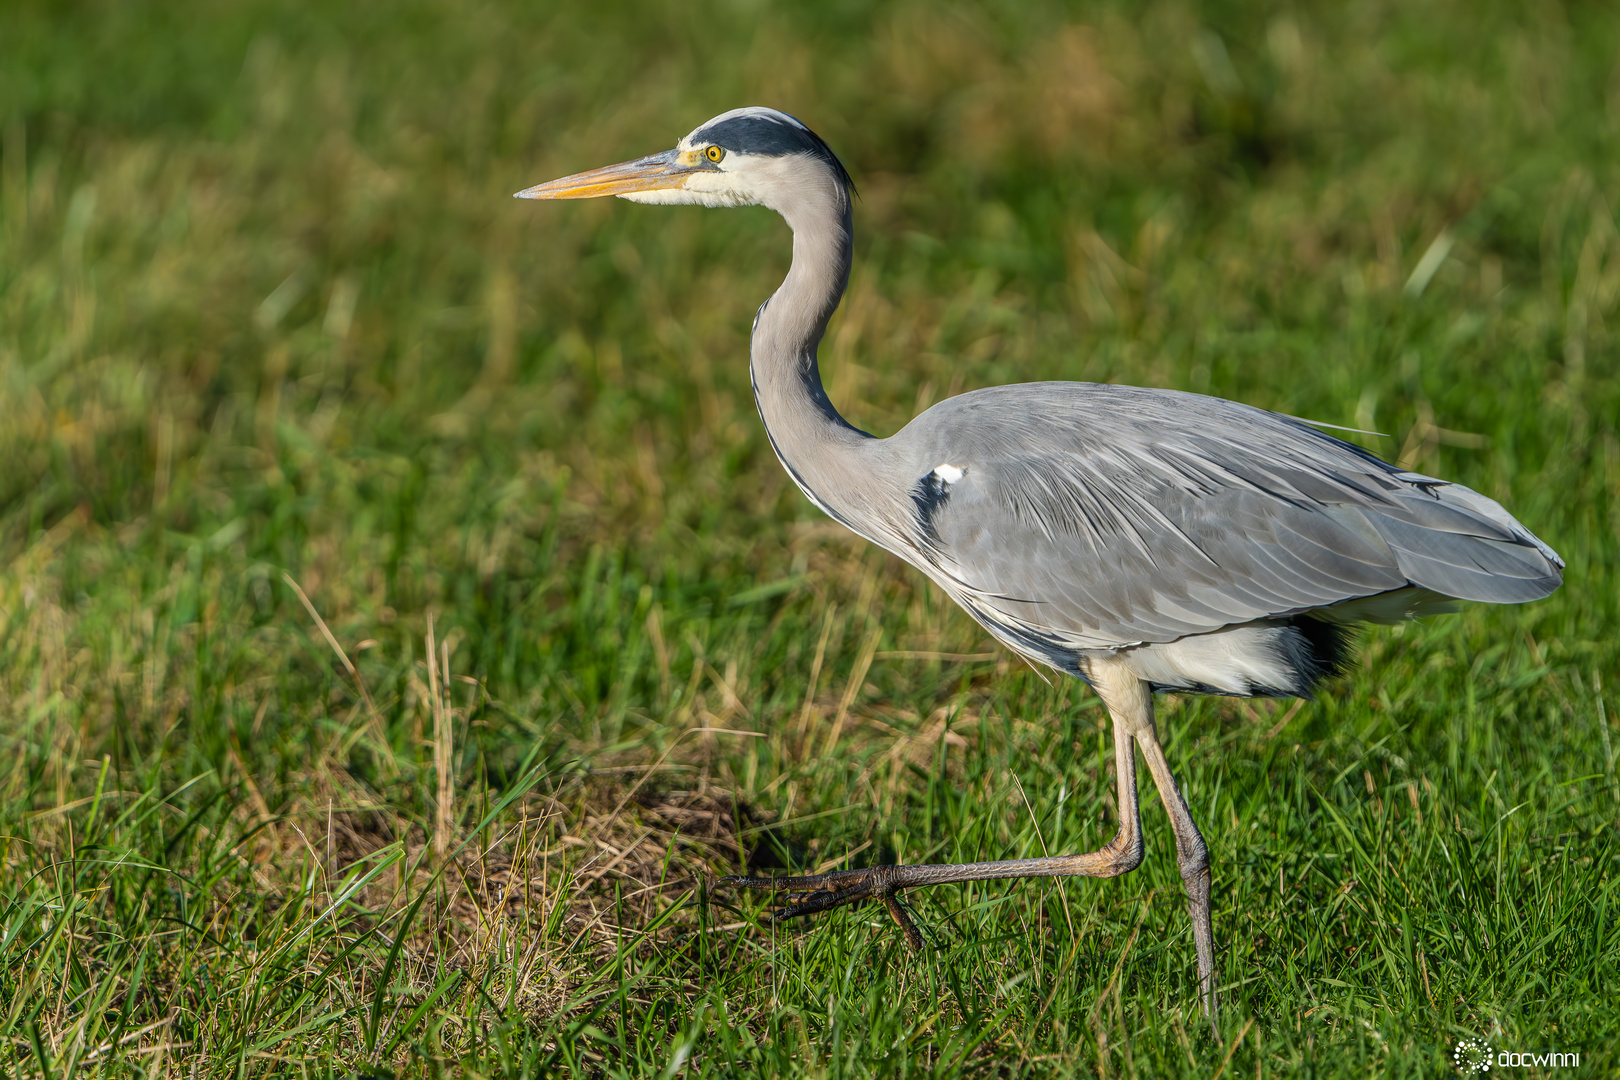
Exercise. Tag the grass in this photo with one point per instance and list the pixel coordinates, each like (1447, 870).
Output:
(403, 619)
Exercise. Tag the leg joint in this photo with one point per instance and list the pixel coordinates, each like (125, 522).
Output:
(1192, 855)
(1123, 853)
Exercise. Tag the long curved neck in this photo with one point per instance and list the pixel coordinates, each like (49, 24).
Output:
(803, 426)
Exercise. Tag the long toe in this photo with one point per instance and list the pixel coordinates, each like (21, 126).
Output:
(811, 901)
(823, 892)
(820, 892)
(836, 882)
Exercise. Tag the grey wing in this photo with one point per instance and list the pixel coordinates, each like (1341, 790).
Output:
(1092, 516)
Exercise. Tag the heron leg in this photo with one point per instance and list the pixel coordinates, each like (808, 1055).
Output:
(1130, 703)
(1193, 858)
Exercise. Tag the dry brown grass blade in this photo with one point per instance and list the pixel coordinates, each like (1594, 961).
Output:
(665, 757)
(857, 678)
(443, 744)
(815, 672)
(1230, 1050)
(373, 717)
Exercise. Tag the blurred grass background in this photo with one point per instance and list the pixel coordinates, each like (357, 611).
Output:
(403, 616)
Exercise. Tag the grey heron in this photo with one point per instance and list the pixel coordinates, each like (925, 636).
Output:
(1142, 540)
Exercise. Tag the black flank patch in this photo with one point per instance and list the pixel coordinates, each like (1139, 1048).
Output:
(1326, 652)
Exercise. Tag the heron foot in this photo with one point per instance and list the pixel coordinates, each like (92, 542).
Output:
(823, 892)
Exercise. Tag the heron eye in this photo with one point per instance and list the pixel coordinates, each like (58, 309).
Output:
(715, 153)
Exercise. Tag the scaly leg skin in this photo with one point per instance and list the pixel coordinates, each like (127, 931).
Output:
(1193, 858)
(1129, 702)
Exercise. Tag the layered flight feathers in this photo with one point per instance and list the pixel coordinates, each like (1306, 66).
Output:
(1101, 516)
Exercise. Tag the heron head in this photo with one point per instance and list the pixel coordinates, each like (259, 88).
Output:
(746, 157)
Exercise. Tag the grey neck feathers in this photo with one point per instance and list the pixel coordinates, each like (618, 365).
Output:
(798, 415)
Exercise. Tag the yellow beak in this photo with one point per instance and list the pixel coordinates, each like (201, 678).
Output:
(655, 173)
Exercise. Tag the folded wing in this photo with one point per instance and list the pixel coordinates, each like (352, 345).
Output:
(1102, 516)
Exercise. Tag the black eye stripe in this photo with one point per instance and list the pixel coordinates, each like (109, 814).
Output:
(762, 135)
(769, 137)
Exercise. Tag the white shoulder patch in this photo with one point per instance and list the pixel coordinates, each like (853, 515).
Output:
(949, 473)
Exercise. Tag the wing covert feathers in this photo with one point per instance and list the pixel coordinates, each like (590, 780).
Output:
(1104, 517)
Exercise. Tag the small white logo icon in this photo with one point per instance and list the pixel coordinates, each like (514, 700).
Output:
(1472, 1056)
